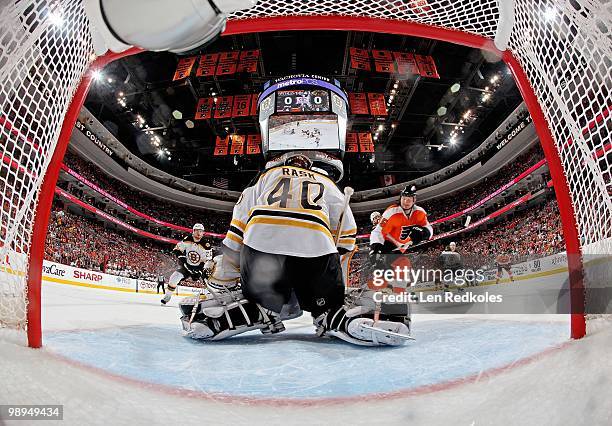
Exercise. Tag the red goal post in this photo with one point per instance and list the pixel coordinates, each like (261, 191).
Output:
(558, 53)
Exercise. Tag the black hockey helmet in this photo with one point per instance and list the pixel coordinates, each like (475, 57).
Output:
(409, 191)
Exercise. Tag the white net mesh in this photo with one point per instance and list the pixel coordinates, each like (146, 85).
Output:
(563, 46)
(44, 51)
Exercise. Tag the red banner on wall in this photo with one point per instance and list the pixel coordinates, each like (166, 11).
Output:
(248, 61)
(207, 65)
(183, 68)
(382, 55)
(242, 106)
(358, 103)
(351, 142)
(377, 104)
(237, 145)
(253, 144)
(427, 66)
(221, 146)
(228, 62)
(360, 59)
(406, 64)
(204, 109)
(254, 98)
(223, 107)
(365, 142)
(383, 61)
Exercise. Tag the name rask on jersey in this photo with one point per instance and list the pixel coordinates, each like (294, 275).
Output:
(291, 211)
(196, 253)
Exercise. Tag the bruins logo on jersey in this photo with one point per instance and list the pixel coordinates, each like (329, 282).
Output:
(194, 257)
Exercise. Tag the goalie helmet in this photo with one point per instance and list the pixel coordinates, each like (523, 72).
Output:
(303, 118)
(319, 161)
(299, 160)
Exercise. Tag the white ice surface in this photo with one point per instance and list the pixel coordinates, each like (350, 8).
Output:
(570, 385)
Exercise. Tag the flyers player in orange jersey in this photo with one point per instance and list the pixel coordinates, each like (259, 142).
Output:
(402, 225)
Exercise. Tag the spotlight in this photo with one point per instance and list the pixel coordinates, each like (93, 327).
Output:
(96, 75)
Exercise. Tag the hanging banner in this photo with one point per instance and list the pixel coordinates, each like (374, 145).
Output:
(221, 146)
(204, 109)
(228, 62)
(183, 68)
(358, 103)
(360, 59)
(207, 65)
(365, 142)
(254, 103)
(406, 64)
(248, 61)
(351, 142)
(237, 144)
(427, 66)
(253, 144)
(242, 106)
(377, 104)
(223, 107)
(383, 61)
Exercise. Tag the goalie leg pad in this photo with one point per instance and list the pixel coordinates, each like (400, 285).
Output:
(226, 315)
(355, 325)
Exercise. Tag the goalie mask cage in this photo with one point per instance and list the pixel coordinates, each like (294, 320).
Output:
(559, 53)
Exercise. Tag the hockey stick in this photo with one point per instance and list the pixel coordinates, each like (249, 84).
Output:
(348, 193)
(194, 310)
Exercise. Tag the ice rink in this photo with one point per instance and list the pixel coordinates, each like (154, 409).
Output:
(120, 357)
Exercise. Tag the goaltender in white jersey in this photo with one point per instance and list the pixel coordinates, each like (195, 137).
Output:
(289, 229)
(302, 204)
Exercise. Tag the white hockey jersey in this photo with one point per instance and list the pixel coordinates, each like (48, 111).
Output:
(196, 253)
(291, 211)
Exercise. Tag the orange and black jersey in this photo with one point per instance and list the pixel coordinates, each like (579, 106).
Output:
(396, 222)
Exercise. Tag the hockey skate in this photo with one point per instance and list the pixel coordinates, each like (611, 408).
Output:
(166, 299)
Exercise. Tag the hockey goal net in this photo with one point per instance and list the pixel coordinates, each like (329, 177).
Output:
(559, 52)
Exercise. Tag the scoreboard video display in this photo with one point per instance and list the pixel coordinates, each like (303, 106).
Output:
(302, 101)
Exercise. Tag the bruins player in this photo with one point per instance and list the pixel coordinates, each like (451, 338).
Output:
(285, 228)
(195, 254)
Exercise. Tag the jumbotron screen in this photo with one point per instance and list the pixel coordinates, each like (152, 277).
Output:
(307, 131)
(302, 101)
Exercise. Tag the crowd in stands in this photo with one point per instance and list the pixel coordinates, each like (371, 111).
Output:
(531, 233)
(157, 208)
(439, 208)
(84, 243)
